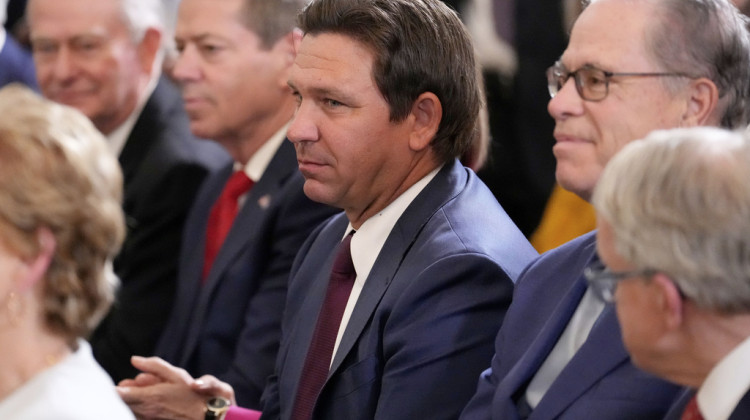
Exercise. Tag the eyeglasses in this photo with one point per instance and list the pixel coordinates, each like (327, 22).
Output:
(604, 282)
(592, 83)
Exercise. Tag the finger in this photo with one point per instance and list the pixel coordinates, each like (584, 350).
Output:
(160, 368)
(147, 379)
(130, 395)
(208, 385)
(127, 383)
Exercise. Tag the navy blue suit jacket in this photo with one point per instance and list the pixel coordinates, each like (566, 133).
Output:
(163, 167)
(16, 64)
(423, 325)
(599, 382)
(231, 326)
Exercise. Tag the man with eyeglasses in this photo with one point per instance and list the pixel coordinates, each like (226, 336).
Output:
(674, 230)
(631, 66)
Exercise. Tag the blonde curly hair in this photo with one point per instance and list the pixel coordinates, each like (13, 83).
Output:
(56, 173)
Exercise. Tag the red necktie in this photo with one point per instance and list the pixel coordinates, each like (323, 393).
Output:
(691, 411)
(318, 359)
(222, 216)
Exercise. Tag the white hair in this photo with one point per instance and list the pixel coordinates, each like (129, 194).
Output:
(679, 202)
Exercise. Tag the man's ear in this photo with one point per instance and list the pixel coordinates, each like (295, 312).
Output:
(669, 299)
(148, 49)
(703, 100)
(36, 266)
(285, 51)
(427, 112)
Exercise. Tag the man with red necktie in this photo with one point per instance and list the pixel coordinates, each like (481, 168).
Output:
(249, 219)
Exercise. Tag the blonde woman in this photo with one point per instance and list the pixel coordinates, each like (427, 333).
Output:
(60, 225)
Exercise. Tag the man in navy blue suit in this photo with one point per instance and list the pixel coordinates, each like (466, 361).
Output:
(387, 99)
(674, 230)
(629, 68)
(233, 65)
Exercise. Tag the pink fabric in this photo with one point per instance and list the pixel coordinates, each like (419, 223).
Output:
(239, 413)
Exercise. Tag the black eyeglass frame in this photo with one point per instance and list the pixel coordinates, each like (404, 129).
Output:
(558, 75)
(604, 282)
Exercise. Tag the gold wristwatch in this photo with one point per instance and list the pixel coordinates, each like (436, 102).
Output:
(216, 408)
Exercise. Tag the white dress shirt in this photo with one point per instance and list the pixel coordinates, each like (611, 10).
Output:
(369, 240)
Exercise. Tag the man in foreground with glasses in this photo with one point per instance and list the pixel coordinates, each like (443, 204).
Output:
(631, 66)
(673, 216)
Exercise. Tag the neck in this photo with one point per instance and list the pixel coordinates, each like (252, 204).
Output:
(724, 332)
(243, 144)
(423, 164)
(28, 350)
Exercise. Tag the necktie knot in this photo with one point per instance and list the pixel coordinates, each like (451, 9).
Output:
(343, 263)
(238, 184)
(691, 410)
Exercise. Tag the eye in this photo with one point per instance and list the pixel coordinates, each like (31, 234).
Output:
(593, 78)
(87, 44)
(332, 103)
(43, 47)
(210, 49)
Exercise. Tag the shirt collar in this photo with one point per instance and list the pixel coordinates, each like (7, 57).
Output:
(258, 163)
(726, 384)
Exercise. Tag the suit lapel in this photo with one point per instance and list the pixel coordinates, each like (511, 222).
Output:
(313, 275)
(244, 230)
(526, 367)
(448, 183)
(245, 226)
(140, 138)
(600, 353)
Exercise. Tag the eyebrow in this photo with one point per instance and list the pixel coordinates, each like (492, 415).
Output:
(325, 92)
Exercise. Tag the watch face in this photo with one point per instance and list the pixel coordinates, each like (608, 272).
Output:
(218, 403)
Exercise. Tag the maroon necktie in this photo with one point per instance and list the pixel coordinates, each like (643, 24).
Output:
(691, 410)
(222, 216)
(318, 359)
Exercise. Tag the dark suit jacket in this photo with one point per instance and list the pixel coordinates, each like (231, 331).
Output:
(16, 64)
(424, 322)
(231, 326)
(599, 382)
(742, 410)
(163, 166)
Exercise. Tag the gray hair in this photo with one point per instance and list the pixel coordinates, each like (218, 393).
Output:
(142, 15)
(705, 38)
(679, 202)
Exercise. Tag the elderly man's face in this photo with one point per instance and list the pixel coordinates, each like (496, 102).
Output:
(85, 57)
(637, 302)
(348, 150)
(608, 35)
